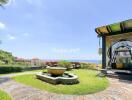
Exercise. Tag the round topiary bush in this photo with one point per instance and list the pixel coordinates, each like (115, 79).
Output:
(65, 64)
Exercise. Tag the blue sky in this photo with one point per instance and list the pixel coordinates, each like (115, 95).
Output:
(58, 29)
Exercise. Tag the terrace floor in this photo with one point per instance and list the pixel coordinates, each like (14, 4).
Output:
(118, 90)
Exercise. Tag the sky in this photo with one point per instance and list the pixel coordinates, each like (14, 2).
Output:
(58, 29)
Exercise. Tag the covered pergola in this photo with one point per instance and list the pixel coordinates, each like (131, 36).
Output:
(111, 34)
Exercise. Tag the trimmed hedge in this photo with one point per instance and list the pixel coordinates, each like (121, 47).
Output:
(4, 70)
(31, 68)
(11, 69)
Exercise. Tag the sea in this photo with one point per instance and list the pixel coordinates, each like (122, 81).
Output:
(89, 61)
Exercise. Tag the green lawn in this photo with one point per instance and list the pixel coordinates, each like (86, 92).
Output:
(4, 96)
(89, 83)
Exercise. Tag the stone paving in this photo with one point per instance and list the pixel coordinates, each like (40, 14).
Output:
(118, 90)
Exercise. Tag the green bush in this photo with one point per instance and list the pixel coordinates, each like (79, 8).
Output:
(65, 64)
(16, 68)
(89, 66)
(84, 65)
(13, 65)
(6, 57)
(4, 70)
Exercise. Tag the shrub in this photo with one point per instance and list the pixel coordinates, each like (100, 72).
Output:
(51, 63)
(84, 65)
(90, 66)
(76, 65)
(14, 68)
(4, 70)
(11, 69)
(65, 64)
(13, 65)
(6, 57)
(31, 68)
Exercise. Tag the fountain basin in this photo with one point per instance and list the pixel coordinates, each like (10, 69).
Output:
(56, 71)
(66, 78)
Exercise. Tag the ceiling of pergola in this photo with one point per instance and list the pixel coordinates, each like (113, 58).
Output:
(115, 29)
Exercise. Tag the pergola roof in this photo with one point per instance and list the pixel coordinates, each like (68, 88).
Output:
(116, 28)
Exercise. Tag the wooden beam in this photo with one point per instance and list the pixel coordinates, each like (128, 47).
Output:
(104, 52)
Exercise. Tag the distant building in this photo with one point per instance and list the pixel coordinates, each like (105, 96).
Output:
(31, 62)
(22, 61)
(35, 62)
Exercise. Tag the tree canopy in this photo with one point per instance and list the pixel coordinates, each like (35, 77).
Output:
(6, 57)
(3, 2)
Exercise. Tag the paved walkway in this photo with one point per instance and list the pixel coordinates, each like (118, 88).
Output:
(118, 90)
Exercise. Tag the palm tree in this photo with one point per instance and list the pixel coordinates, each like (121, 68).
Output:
(3, 2)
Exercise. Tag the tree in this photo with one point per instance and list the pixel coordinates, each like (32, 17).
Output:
(6, 57)
(3, 2)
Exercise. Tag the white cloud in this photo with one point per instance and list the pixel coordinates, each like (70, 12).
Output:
(26, 34)
(11, 2)
(79, 56)
(64, 50)
(28, 15)
(2, 25)
(30, 1)
(35, 2)
(11, 37)
(73, 53)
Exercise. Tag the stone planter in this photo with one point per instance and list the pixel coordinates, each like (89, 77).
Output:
(56, 71)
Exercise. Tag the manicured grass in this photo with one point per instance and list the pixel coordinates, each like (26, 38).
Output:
(4, 96)
(89, 83)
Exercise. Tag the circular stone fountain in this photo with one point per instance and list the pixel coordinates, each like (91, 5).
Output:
(57, 75)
